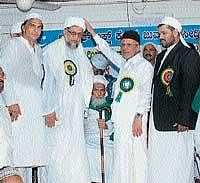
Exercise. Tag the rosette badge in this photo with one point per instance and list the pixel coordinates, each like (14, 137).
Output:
(166, 78)
(126, 85)
(70, 70)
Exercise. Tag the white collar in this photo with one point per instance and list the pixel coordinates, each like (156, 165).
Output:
(25, 41)
(135, 58)
(170, 48)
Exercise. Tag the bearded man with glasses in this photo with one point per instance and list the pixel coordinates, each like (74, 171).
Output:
(67, 87)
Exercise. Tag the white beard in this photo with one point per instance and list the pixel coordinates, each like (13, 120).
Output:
(97, 102)
(71, 45)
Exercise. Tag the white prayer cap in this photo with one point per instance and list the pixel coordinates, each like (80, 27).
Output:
(74, 21)
(172, 22)
(100, 79)
(99, 61)
(175, 24)
(157, 47)
(150, 43)
(33, 15)
(16, 28)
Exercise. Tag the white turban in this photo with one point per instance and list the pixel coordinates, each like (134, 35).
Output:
(175, 24)
(150, 43)
(99, 61)
(100, 79)
(16, 28)
(74, 21)
(172, 22)
(33, 15)
(157, 47)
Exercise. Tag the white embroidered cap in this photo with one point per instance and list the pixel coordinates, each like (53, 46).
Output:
(157, 47)
(33, 15)
(74, 21)
(175, 24)
(100, 79)
(172, 22)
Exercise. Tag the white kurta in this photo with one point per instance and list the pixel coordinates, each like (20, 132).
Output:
(23, 71)
(130, 161)
(68, 160)
(92, 136)
(5, 136)
(171, 157)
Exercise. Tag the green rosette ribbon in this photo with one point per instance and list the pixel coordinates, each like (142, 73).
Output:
(126, 84)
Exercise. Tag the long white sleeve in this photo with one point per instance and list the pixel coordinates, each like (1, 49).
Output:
(145, 88)
(87, 76)
(8, 54)
(50, 89)
(113, 56)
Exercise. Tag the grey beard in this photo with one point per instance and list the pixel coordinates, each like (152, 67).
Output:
(97, 102)
(72, 46)
(148, 57)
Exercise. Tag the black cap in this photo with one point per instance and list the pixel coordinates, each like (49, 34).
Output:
(131, 35)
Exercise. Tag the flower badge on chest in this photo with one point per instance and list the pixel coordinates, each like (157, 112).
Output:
(126, 85)
(166, 78)
(70, 70)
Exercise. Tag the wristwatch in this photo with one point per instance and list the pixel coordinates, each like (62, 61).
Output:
(138, 115)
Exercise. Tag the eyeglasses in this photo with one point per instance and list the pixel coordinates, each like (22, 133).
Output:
(73, 33)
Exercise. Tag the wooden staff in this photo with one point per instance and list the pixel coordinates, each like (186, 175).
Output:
(100, 110)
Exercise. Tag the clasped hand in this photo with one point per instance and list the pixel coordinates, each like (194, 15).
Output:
(14, 111)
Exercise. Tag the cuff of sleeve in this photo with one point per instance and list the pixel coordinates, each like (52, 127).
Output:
(139, 112)
(49, 111)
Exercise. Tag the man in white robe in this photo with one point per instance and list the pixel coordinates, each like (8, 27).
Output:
(67, 87)
(92, 125)
(7, 172)
(172, 120)
(21, 60)
(130, 106)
